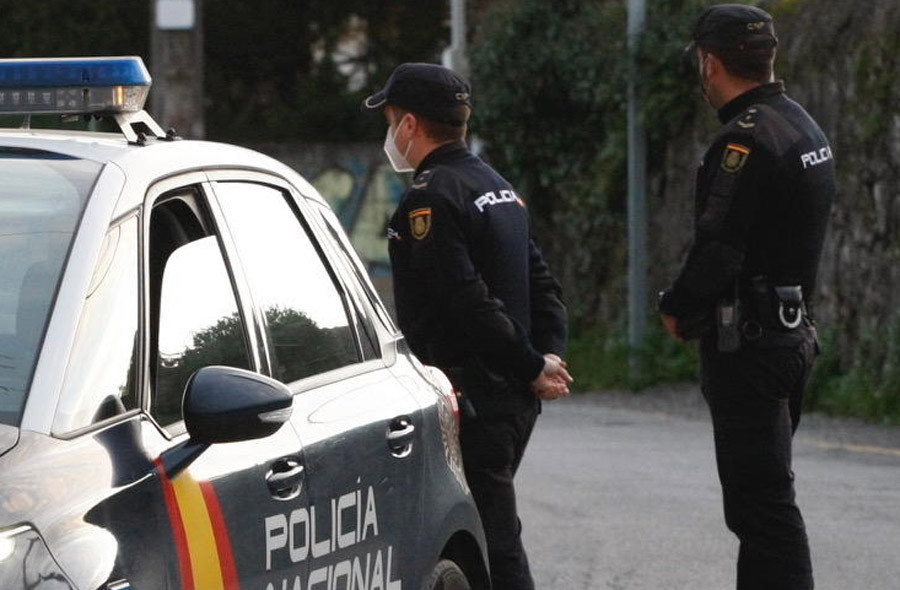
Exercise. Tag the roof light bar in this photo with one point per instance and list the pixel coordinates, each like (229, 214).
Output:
(73, 85)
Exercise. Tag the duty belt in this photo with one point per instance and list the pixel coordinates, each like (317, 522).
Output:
(775, 316)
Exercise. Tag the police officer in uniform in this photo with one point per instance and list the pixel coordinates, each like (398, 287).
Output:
(474, 296)
(763, 196)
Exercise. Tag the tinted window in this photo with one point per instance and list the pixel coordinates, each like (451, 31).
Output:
(199, 324)
(42, 196)
(307, 326)
(364, 326)
(101, 376)
(349, 255)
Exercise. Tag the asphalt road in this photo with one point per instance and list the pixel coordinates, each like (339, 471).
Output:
(620, 492)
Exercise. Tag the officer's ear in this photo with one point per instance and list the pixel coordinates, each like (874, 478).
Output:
(411, 124)
(713, 64)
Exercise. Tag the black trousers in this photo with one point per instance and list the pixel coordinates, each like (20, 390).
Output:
(492, 449)
(755, 397)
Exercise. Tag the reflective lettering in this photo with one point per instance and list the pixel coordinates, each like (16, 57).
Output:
(377, 574)
(318, 576)
(490, 198)
(346, 502)
(299, 552)
(817, 157)
(391, 584)
(319, 548)
(342, 571)
(371, 518)
(360, 582)
(276, 536)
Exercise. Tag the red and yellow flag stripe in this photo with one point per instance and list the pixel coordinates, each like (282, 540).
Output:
(205, 558)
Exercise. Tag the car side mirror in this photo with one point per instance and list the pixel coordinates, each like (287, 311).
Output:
(226, 404)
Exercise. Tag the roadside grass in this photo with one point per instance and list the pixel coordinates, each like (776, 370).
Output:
(868, 390)
(599, 360)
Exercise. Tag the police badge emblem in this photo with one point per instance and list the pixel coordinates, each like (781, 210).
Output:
(735, 157)
(420, 223)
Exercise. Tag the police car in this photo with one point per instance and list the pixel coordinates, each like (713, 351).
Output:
(199, 387)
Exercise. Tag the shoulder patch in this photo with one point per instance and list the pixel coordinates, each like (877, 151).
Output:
(420, 223)
(748, 119)
(735, 157)
(421, 181)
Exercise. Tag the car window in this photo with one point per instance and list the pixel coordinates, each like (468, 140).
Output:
(357, 290)
(334, 228)
(42, 195)
(101, 379)
(193, 306)
(306, 319)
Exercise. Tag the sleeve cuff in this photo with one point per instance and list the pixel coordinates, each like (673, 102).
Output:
(671, 304)
(532, 366)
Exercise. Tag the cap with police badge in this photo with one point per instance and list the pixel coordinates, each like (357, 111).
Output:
(429, 90)
(735, 28)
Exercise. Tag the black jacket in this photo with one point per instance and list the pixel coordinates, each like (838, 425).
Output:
(763, 197)
(474, 296)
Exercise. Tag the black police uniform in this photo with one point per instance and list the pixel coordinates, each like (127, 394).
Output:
(475, 298)
(763, 197)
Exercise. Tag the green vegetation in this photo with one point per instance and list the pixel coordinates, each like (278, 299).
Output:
(871, 388)
(277, 70)
(600, 361)
(549, 88)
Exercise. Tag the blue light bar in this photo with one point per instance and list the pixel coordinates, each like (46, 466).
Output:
(73, 85)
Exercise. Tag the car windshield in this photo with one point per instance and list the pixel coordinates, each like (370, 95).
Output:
(42, 195)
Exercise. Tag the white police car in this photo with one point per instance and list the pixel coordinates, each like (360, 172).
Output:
(199, 388)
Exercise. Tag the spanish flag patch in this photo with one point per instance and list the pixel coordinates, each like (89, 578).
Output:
(735, 157)
(420, 223)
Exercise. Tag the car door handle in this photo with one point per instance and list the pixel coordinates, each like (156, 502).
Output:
(400, 436)
(285, 479)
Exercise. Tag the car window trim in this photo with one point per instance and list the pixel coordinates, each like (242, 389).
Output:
(310, 228)
(249, 310)
(155, 193)
(352, 284)
(335, 375)
(388, 336)
(135, 213)
(106, 423)
(369, 289)
(347, 277)
(45, 384)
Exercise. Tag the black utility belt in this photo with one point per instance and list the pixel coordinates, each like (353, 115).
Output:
(770, 317)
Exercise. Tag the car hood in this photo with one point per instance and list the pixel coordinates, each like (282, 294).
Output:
(9, 436)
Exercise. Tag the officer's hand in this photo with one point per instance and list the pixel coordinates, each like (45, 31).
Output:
(670, 323)
(553, 382)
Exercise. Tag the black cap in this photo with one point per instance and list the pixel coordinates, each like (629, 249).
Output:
(429, 90)
(734, 27)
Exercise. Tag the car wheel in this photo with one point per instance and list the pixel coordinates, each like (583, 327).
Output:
(447, 576)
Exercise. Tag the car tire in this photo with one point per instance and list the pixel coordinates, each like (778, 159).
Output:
(447, 576)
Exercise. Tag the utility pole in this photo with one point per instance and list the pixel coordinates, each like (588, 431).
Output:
(637, 199)
(176, 65)
(454, 57)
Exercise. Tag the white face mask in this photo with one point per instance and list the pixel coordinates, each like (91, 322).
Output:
(398, 161)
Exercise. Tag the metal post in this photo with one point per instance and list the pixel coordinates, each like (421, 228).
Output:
(454, 57)
(637, 201)
(176, 65)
